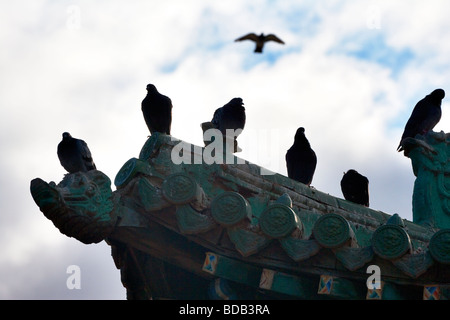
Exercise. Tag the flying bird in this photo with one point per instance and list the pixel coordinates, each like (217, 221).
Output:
(355, 187)
(74, 154)
(157, 111)
(301, 160)
(231, 116)
(425, 115)
(260, 40)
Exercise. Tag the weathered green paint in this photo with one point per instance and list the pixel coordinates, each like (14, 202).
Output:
(392, 291)
(230, 208)
(150, 196)
(391, 242)
(80, 206)
(234, 270)
(191, 222)
(300, 249)
(279, 221)
(247, 240)
(332, 231)
(414, 265)
(429, 156)
(285, 200)
(340, 288)
(179, 188)
(291, 285)
(440, 246)
(354, 258)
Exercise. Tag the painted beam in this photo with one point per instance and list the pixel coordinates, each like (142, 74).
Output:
(300, 287)
(231, 269)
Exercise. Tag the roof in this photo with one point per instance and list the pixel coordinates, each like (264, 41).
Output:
(228, 221)
(278, 224)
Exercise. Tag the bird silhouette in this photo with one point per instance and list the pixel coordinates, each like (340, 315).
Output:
(260, 40)
(424, 117)
(157, 111)
(74, 154)
(301, 160)
(230, 116)
(355, 187)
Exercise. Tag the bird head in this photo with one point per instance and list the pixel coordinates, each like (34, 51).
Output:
(66, 136)
(151, 88)
(300, 134)
(437, 95)
(236, 102)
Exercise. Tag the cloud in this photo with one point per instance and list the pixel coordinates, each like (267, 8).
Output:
(46, 274)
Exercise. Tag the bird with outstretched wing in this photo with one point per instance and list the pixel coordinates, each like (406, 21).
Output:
(260, 40)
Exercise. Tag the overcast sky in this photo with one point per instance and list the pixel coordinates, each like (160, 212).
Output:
(350, 73)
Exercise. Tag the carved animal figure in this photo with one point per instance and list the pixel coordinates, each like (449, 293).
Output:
(425, 115)
(74, 154)
(355, 187)
(301, 160)
(260, 40)
(157, 111)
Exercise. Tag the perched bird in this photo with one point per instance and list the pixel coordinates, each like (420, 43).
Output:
(424, 117)
(157, 111)
(230, 116)
(355, 187)
(74, 154)
(301, 160)
(260, 40)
